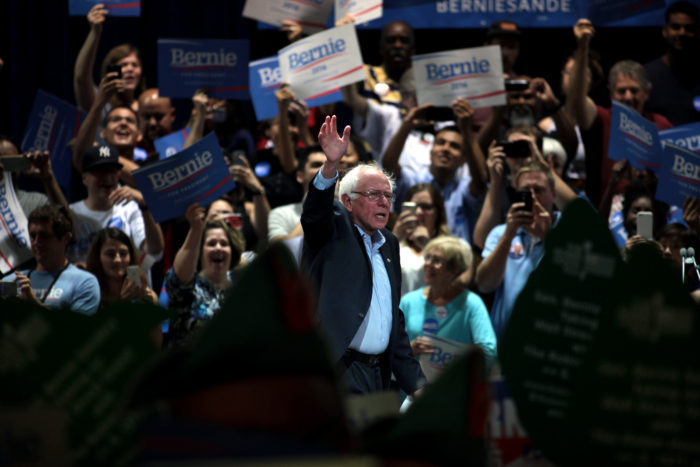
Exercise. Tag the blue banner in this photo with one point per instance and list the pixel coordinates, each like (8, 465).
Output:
(199, 174)
(220, 67)
(679, 175)
(169, 145)
(115, 7)
(52, 124)
(265, 78)
(634, 138)
(685, 136)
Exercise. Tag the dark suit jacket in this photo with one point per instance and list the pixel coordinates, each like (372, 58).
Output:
(337, 262)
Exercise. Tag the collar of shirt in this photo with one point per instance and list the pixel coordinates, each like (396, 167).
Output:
(371, 243)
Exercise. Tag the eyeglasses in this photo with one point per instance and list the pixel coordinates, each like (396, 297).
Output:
(118, 119)
(375, 195)
(425, 206)
(436, 260)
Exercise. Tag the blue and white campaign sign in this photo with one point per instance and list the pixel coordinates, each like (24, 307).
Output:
(685, 136)
(218, 66)
(323, 63)
(15, 247)
(679, 175)
(115, 7)
(169, 145)
(475, 73)
(634, 138)
(197, 174)
(265, 78)
(312, 15)
(52, 124)
(362, 10)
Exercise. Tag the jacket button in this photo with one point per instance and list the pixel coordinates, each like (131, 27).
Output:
(361, 315)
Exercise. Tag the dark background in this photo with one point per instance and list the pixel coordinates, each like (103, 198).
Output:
(40, 42)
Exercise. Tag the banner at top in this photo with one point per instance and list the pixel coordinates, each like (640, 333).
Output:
(457, 14)
(323, 63)
(312, 15)
(475, 73)
(218, 66)
(115, 7)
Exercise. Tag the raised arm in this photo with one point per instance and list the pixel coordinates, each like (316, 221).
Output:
(83, 86)
(260, 211)
(186, 258)
(489, 217)
(356, 101)
(578, 103)
(566, 132)
(334, 147)
(199, 113)
(285, 146)
(87, 133)
(470, 149)
(392, 153)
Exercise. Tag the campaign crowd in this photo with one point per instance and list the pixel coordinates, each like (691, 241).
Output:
(461, 198)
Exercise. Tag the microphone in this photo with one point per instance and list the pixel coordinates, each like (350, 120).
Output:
(684, 261)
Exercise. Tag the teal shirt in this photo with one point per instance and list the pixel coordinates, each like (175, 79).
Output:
(465, 319)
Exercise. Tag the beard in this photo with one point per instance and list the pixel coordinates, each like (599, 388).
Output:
(520, 115)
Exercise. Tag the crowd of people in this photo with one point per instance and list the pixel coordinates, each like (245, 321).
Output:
(407, 226)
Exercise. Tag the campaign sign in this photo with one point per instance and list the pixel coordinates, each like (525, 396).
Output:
(197, 174)
(475, 73)
(14, 234)
(312, 15)
(265, 77)
(362, 10)
(217, 66)
(679, 175)
(634, 138)
(52, 124)
(115, 7)
(685, 136)
(321, 64)
(169, 145)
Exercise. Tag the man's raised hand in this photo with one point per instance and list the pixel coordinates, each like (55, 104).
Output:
(333, 146)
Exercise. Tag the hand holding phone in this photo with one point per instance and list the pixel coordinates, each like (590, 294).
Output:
(133, 273)
(525, 196)
(115, 69)
(519, 149)
(645, 224)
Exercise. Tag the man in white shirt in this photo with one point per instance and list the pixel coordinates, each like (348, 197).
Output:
(111, 205)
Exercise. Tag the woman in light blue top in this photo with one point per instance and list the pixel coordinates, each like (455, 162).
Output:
(442, 307)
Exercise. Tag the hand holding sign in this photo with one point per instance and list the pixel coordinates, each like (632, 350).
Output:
(583, 30)
(96, 16)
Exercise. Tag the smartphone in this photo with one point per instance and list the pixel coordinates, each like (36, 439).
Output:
(8, 289)
(525, 196)
(412, 208)
(133, 273)
(235, 221)
(516, 149)
(236, 158)
(645, 227)
(517, 84)
(115, 69)
(17, 163)
(438, 114)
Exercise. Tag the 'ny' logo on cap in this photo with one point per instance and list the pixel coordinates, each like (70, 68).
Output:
(104, 151)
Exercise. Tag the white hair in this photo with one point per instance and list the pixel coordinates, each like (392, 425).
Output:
(552, 147)
(350, 180)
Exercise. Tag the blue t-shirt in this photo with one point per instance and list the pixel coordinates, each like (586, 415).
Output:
(75, 288)
(465, 319)
(523, 257)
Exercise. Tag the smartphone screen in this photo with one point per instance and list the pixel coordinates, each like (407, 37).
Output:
(645, 221)
(525, 196)
(133, 273)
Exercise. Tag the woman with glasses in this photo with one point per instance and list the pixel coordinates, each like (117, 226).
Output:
(443, 308)
(415, 228)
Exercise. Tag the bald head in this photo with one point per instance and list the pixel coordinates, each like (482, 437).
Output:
(156, 115)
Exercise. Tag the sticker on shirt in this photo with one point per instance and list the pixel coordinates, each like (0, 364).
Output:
(381, 89)
(440, 313)
(117, 223)
(262, 169)
(430, 326)
(517, 250)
